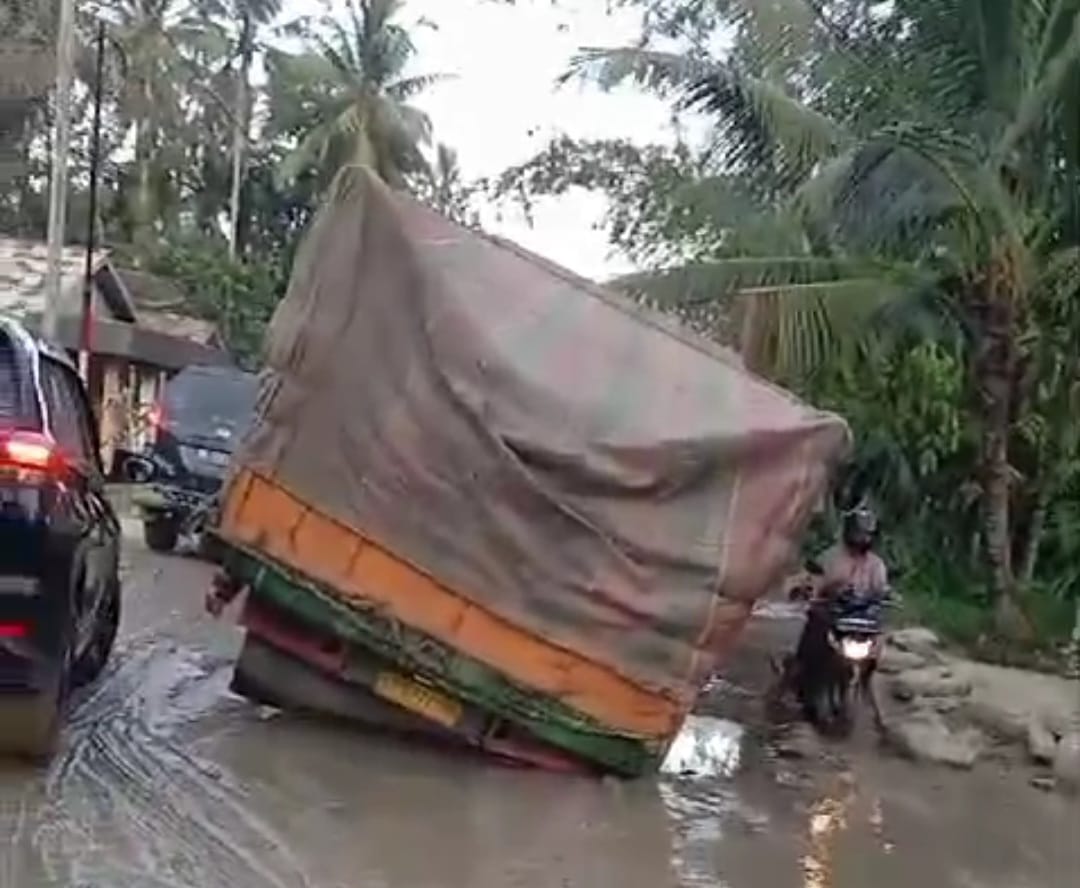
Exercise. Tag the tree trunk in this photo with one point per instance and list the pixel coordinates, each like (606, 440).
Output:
(143, 209)
(241, 125)
(753, 336)
(994, 299)
(1036, 528)
(1073, 656)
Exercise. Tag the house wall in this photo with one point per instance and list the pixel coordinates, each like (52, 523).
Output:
(124, 392)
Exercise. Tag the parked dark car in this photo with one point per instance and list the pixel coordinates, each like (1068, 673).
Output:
(197, 421)
(59, 543)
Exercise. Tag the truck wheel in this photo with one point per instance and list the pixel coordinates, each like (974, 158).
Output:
(160, 534)
(94, 659)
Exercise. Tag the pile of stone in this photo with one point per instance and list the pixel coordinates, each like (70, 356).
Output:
(941, 709)
(923, 694)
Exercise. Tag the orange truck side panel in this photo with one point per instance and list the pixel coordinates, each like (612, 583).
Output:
(261, 515)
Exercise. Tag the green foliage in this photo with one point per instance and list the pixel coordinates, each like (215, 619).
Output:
(441, 187)
(659, 210)
(239, 297)
(180, 118)
(905, 406)
(346, 98)
(904, 248)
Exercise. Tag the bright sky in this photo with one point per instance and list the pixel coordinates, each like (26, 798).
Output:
(502, 105)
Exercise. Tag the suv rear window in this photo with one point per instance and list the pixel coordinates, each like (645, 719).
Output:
(201, 400)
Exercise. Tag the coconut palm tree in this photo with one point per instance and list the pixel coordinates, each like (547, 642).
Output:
(27, 72)
(245, 18)
(346, 100)
(936, 139)
(154, 37)
(442, 187)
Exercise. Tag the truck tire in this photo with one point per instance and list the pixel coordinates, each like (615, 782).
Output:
(160, 534)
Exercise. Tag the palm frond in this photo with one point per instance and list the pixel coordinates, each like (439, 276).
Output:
(759, 119)
(317, 143)
(402, 130)
(719, 279)
(793, 311)
(409, 87)
(665, 73)
(798, 327)
(1044, 92)
(341, 46)
(1058, 276)
(897, 188)
(341, 59)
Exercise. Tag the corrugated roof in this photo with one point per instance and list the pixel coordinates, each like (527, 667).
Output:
(181, 325)
(148, 291)
(123, 296)
(22, 277)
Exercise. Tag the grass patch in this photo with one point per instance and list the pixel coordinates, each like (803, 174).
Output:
(960, 622)
(969, 625)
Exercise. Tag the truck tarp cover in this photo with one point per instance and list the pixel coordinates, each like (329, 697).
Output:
(554, 454)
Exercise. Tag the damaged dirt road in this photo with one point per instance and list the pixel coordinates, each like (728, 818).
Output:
(165, 780)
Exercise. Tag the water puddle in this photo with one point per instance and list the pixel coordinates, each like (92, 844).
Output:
(127, 802)
(166, 780)
(705, 747)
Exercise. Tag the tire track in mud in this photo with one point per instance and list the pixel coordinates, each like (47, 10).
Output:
(128, 801)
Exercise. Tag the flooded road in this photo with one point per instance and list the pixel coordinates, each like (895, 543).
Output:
(166, 780)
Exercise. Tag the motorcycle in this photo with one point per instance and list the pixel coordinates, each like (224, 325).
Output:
(184, 513)
(834, 664)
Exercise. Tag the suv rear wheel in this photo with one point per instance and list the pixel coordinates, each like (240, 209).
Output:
(161, 534)
(94, 659)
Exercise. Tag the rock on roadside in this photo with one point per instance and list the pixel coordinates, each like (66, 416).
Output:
(925, 737)
(894, 660)
(917, 640)
(1041, 742)
(1067, 762)
(935, 681)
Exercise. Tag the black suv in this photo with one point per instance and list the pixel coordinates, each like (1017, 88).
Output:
(59, 543)
(196, 424)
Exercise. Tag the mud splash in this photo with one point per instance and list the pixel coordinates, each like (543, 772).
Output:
(127, 802)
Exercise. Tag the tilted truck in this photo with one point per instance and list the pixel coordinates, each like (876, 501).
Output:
(486, 499)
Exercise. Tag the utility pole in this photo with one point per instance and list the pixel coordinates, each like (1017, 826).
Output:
(65, 62)
(86, 326)
(241, 124)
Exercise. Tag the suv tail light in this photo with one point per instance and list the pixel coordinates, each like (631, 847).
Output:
(29, 451)
(157, 421)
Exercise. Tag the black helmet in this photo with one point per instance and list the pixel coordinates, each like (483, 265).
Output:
(860, 528)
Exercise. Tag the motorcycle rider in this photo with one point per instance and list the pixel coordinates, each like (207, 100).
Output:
(851, 564)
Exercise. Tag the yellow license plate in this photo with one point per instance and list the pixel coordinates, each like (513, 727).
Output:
(418, 698)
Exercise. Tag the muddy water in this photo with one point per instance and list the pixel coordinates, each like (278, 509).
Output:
(167, 781)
